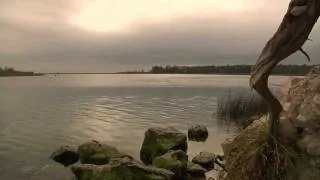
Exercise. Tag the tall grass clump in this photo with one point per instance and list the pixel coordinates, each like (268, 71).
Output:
(252, 156)
(239, 108)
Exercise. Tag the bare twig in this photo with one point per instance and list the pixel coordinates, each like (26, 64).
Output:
(305, 53)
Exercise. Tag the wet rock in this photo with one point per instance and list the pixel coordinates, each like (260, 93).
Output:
(195, 171)
(175, 161)
(65, 155)
(93, 152)
(159, 141)
(205, 159)
(198, 133)
(120, 169)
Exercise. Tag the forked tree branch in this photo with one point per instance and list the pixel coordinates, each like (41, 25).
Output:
(306, 54)
(294, 30)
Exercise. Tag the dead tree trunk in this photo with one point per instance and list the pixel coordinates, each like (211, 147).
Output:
(294, 30)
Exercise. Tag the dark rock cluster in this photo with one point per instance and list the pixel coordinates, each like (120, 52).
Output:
(163, 155)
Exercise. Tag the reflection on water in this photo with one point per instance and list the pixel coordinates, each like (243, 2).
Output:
(38, 114)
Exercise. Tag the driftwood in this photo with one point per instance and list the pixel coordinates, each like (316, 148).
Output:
(294, 30)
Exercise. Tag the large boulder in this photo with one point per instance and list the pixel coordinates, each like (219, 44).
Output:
(65, 155)
(195, 171)
(159, 141)
(120, 169)
(303, 113)
(198, 133)
(300, 124)
(93, 152)
(175, 161)
(205, 159)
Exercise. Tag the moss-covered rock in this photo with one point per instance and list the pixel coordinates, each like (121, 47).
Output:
(205, 159)
(65, 155)
(198, 133)
(93, 152)
(195, 171)
(175, 161)
(120, 169)
(159, 141)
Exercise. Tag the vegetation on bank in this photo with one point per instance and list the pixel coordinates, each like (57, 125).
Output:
(295, 70)
(6, 71)
(240, 108)
(252, 156)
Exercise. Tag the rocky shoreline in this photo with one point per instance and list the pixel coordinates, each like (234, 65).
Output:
(248, 156)
(163, 156)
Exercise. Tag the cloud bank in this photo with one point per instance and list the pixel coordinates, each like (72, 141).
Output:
(56, 36)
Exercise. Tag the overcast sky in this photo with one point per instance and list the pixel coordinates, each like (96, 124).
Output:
(119, 35)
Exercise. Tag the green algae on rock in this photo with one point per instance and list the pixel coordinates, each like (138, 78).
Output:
(195, 170)
(159, 141)
(120, 169)
(205, 159)
(93, 152)
(175, 161)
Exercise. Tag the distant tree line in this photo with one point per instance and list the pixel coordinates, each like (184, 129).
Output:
(228, 69)
(135, 72)
(7, 71)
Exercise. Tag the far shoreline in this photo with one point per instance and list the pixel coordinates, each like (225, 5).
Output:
(226, 70)
(147, 73)
(21, 75)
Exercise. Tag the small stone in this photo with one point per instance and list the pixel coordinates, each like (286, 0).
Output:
(65, 155)
(198, 133)
(205, 159)
(158, 141)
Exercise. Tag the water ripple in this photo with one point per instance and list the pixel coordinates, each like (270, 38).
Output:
(39, 116)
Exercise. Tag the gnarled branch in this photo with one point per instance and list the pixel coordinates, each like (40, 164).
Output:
(306, 54)
(294, 30)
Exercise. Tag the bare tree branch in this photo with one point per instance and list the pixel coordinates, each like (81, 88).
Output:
(293, 32)
(305, 53)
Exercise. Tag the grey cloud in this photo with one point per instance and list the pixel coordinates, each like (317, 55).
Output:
(47, 42)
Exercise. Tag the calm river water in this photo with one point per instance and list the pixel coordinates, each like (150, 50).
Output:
(38, 114)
